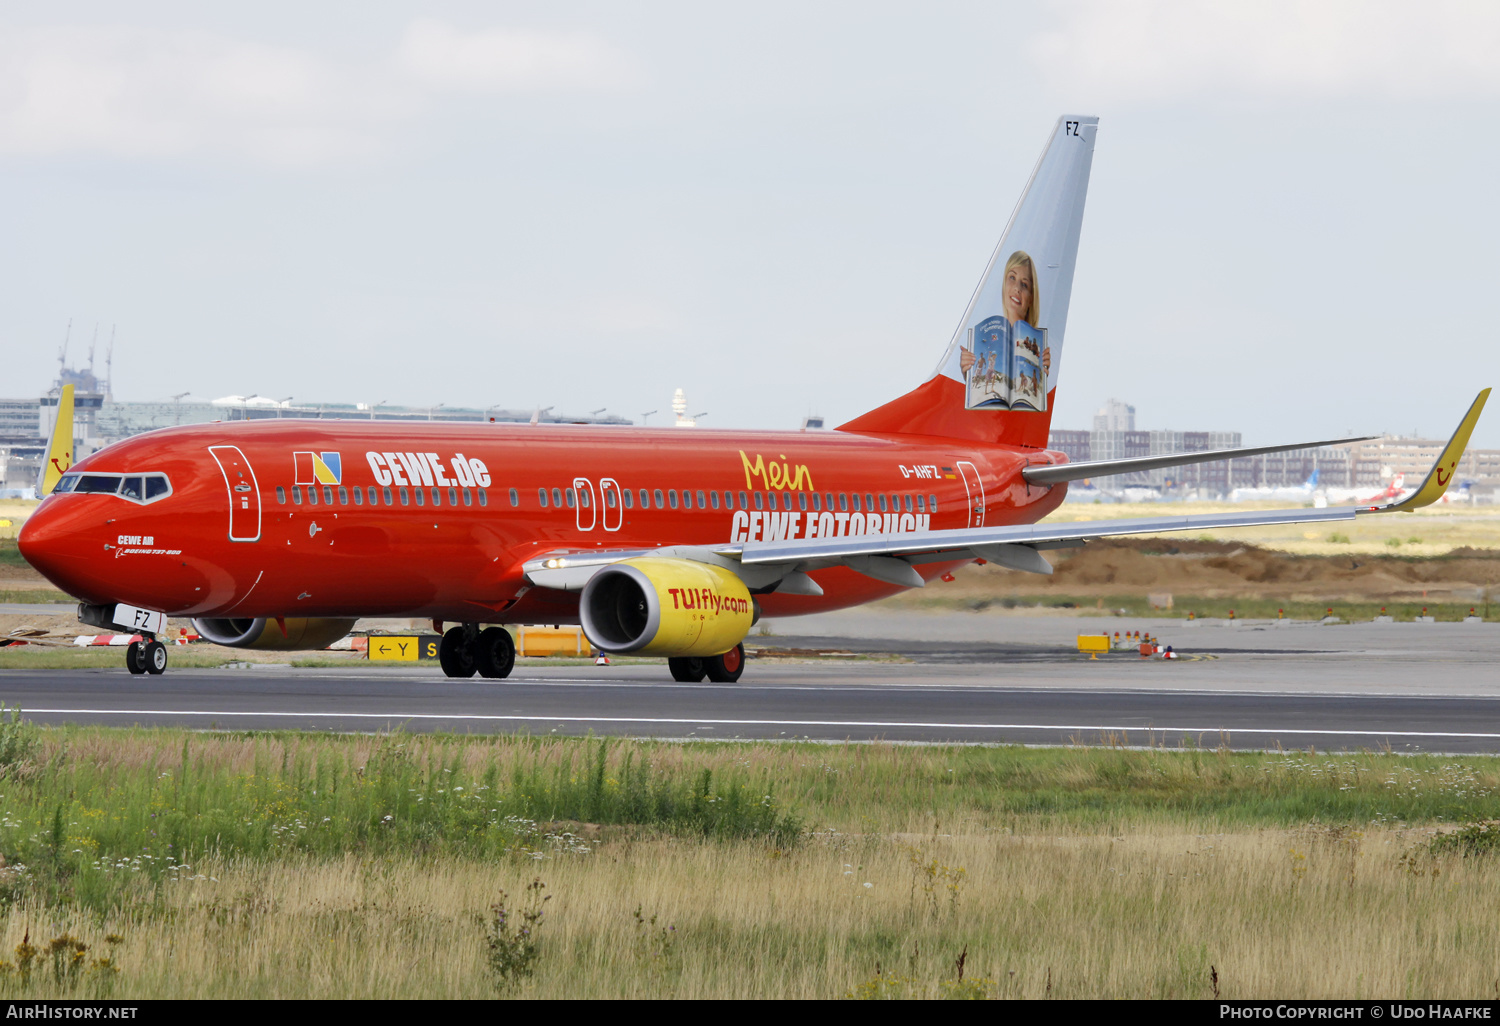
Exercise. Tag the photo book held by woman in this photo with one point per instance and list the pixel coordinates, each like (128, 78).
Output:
(1007, 370)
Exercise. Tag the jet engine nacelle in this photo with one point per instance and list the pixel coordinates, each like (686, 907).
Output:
(665, 606)
(262, 632)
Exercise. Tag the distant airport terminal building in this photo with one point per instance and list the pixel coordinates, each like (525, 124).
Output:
(1373, 464)
(26, 424)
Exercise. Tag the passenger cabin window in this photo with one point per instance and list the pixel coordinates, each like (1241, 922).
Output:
(844, 501)
(672, 497)
(854, 501)
(437, 496)
(744, 501)
(296, 495)
(609, 499)
(453, 497)
(557, 497)
(932, 503)
(541, 497)
(312, 494)
(921, 505)
(702, 504)
(359, 496)
(626, 495)
(375, 496)
(387, 493)
(713, 499)
(729, 500)
(418, 495)
(281, 495)
(786, 499)
(515, 498)
(569, 494)
(660, 502)
(405, 497)
(883, 508)
(908, 504)
(484, 497)
(869, 502)
(343, 496)
(760, 500)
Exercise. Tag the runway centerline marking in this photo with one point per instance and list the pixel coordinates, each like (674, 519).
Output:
(492, 717)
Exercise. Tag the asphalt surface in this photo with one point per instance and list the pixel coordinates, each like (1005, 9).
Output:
(959, 678)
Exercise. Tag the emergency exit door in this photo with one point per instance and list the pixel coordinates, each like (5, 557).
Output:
(244, 494)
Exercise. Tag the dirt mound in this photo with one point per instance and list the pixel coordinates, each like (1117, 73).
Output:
(1221, 569)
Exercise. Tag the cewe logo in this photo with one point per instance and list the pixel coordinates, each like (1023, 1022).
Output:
(318, 468)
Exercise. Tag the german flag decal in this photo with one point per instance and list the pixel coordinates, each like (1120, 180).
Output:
(948, 473)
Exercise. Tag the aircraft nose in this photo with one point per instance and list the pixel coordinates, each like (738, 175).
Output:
(43, 540)
(55, 541)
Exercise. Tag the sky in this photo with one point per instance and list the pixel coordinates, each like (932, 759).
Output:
(781, 208)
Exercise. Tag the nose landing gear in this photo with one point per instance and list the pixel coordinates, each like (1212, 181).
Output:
(149, 656)
(466, 649)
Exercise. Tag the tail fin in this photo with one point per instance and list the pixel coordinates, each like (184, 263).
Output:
(997, 380)
(60, 452)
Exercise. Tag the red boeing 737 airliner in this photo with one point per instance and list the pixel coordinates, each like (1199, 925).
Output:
(280, 534)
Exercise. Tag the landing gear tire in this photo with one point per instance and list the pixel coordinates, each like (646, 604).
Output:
(135, 657)
(456, 653)
(154, 655)
(687, 669)
(494, 652)
(726, 668)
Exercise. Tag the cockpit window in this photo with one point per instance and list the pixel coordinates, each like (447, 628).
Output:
(135, 487)
(98, 483)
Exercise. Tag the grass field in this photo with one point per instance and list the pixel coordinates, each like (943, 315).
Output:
(295, 865)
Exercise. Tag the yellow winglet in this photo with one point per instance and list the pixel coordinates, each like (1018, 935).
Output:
(1441, 475)
(60, 452)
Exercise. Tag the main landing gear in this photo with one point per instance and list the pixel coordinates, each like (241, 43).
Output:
(466, 649)
(721, 669)
(148, 656)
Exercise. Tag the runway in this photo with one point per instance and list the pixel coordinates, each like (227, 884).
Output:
(938, 678)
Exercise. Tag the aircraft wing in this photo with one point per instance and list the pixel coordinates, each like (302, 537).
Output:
(890, 557)
(1057, 473)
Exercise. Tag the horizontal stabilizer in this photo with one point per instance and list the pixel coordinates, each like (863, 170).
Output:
(1056, 474)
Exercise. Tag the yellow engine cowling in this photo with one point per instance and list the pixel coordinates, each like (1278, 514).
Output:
(663, 606)
(301, 632)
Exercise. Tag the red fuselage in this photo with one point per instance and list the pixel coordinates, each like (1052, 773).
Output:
(446, 515)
